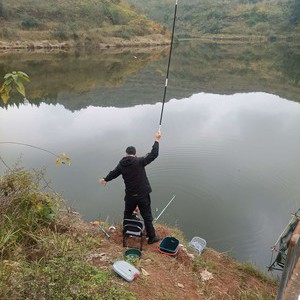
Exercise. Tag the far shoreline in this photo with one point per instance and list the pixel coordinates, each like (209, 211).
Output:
(138, 42)
(111, 43)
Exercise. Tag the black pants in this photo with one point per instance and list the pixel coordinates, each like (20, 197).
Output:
(144, 205)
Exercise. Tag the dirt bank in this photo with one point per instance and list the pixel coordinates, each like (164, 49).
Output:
(211, 275)
(104, 43)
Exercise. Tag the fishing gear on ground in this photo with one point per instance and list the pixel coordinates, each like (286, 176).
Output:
(97, 224)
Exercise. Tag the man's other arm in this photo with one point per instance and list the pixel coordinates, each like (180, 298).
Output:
(111, 175)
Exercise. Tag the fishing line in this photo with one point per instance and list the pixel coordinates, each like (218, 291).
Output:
(155, 220)
(169, 62)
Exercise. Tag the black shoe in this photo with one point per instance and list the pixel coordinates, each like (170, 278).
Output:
(154, 240)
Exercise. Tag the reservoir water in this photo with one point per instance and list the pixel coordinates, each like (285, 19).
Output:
(230, 147)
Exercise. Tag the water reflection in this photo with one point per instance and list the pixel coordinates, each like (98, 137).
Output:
(291, 65)
(232, 161)
(68, 78)
(123, 78)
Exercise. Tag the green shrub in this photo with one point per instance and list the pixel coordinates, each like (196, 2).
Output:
(2, 12)
(120, 17)
(61, 34)
(272, 38)
(295, 13)
(5, 33)
(124, 34)
(24, 208)
(212, 26)
(262, 28)
(29, 22)
(255, 17)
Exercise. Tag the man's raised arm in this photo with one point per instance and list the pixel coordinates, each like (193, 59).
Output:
(154, 152)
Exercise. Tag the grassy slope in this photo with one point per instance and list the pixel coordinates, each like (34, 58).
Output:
(87, 21)
(60, 257)
(78, 20)
(271, 18)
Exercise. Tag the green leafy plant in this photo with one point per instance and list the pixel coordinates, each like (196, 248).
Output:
(63, 158)
(13, 80)
(22, 191)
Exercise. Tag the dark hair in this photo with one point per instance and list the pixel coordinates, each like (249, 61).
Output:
(131, 150)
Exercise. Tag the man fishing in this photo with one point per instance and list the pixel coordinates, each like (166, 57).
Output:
(137, 186)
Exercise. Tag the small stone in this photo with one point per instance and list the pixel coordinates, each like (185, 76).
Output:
(180, 285)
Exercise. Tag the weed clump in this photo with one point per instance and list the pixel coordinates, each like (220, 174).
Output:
(24, 209)
(44, 247)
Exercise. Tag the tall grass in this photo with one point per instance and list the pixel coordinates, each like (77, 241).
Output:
(24, 209)
(43, 253)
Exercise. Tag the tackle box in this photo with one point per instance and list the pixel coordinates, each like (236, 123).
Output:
(126, 270)
(169, 245)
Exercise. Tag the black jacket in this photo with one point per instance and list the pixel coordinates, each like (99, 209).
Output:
(133, 172)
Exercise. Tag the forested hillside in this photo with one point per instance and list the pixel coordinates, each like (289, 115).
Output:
(269, 18)
(87, 22)
(84, 21)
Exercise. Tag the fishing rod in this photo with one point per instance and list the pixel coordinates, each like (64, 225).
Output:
(154, 221)
(96, 223)
(168, 68)
(107, 235)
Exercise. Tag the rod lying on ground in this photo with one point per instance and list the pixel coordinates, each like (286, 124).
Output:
(96, 223)
(107, 235)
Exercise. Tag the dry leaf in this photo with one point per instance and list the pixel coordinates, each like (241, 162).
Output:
(144, 272)
(205, 275)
